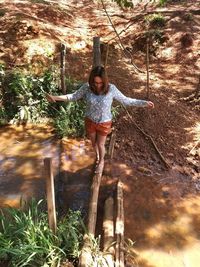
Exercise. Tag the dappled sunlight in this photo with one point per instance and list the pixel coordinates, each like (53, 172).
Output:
(22, 152)
(77, 154)
(195, 131)
(42, 46)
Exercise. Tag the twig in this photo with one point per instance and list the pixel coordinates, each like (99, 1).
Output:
(149, 137)
(120, 41)
(197, 143)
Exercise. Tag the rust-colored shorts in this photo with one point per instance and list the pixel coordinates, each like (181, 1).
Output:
(103, 128)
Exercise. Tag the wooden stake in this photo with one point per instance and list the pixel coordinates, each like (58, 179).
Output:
(62, 68)
(119, 229)
(106, 59)
(147, 69)
(108, 230)
(96, 52)
(50, 194)
(112, 144)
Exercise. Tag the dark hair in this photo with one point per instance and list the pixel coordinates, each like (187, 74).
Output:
(100, 72)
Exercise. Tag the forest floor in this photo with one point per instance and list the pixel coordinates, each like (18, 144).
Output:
(158, 201)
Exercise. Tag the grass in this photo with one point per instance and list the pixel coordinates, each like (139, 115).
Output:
(26, 240)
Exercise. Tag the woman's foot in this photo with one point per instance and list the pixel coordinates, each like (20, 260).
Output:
(97, 161)
(100, 166)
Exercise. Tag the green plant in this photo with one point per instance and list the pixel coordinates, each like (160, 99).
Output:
(3, 116)
(162, 2)
(155, 36)
(188, 16)
(124, 3)
(26, 240)
(2, 12)
(98, 257)
(130, 253)
(155, 20)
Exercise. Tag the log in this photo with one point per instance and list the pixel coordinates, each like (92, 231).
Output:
(85, 258)
(50, 194)
(108, 232)
(119, 229)
(92, 214)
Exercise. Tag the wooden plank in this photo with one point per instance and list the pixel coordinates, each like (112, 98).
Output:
(50, 194)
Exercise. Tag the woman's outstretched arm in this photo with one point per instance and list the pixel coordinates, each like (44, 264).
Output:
(69, 97)
(128, 101)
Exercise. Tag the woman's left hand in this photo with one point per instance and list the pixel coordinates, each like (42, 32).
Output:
(150, 104)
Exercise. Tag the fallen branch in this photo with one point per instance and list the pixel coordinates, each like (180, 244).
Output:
(149, 137)
(197, 143)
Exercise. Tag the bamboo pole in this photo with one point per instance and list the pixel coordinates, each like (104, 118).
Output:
(119, 229)
(50, 194)
(62, 68)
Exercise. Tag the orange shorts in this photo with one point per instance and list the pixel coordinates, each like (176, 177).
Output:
(103, 128)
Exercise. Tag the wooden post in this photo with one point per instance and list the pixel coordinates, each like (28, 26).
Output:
(147, 69)
(119, 229)
(50, 194)
(112, 144)
(96, 52)
(107, 52)
(108, 231)
(62, 68)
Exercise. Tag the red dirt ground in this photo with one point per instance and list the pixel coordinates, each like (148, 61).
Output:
(30, 31)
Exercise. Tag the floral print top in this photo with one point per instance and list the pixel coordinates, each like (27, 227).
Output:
(98, 107)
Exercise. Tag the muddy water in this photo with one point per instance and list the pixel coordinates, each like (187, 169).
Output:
(22, 152)
(162, 217)
(77, 162)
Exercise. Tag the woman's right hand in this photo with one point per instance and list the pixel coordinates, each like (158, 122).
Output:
(50, 98)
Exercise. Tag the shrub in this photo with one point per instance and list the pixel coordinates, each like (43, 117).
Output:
(26, 240)
(155, 20)
(124, 3)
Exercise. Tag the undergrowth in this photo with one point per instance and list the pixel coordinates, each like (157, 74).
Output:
(26, 239)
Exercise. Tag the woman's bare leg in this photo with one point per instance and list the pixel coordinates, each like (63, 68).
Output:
(93, 139)
(101, 140)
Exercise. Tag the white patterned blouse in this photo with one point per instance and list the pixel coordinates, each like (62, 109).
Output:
(98, 107)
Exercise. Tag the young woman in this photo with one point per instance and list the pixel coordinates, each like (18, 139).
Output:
(99, 95)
